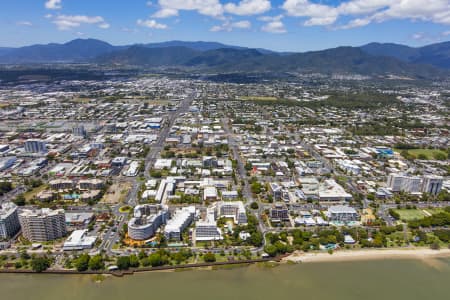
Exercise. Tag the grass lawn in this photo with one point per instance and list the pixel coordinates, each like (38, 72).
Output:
(31, 194)
(429, 153)
(125, 209)
(410, 214)
(257, 98)
(433, 211)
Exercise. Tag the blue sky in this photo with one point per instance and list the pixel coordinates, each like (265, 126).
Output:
(286, 25)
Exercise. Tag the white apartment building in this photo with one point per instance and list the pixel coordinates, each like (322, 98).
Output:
(180, 221)
(415, 185)
(432, 184)
(43, 224)
(235, 210)
(9, 220)
(146, 221)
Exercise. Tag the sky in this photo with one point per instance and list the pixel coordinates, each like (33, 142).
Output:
(282, 25)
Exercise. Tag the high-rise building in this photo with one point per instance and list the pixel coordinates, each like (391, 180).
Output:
(79, 131)
(9, 220)
(35, 146)
(43, 224)
(395, 182)
(146, 221)
(432, 184)
(412, 184)
(181, 219)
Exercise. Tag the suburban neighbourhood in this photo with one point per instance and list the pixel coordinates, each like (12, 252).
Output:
(154, 171)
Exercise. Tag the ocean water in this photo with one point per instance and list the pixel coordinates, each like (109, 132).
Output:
(381, 279)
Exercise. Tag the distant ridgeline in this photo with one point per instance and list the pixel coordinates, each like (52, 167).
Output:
(384, 60)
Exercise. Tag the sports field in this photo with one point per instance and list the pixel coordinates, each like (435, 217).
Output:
(427, 153)
(410, 214)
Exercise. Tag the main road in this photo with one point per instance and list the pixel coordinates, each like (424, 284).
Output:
(111, 236)
(158, 146)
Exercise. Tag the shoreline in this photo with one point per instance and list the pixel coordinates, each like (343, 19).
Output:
(425, 254)
(365, 255)
(168, 268)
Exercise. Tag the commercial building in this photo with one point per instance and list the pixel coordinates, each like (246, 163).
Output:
(61, 184)
(279, 213)
(165, 189)
(43, 224)
(276, 190)
(181, 219)
(35, 146)
(229, 195)
(206, 230)
(133, 169)
(209, 162)
(210, 193)
(9, 220)
(7, 162)
(91, 184)
(331, 191)
(235, 210)
(78, 219)
(119, 161)
(79, 240)
(342, 213)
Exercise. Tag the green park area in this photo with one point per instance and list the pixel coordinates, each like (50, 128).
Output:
(425, 153)
(416, 214)
(410, 214)
(257, 98)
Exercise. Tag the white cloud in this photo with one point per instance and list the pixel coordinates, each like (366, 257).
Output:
(274, 27)
(446, 33)
(365, 12)
(104, 26)
(169, 8)
(358, 7)
(165, 13)
(436, 11)
(211, 8)
(356, 23)
(318, 14)
(271, 18)
(418, 36)
(53, 4)
(229, 26)
(129, 30)
(24, 23)
(151, 24)
(65, 22)
(248, 7)
(242, 24)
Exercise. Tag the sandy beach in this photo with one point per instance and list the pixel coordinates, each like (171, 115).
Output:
(369, 254)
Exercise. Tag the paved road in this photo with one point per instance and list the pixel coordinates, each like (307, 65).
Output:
(112, 236)
(158, 146)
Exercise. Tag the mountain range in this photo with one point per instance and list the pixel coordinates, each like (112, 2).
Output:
(377, 59)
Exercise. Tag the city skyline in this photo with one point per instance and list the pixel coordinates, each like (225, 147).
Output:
(282, 25)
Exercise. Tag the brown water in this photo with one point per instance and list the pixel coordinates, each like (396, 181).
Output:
(386, 279)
